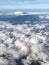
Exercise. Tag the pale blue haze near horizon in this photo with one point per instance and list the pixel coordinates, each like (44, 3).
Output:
(24, 4)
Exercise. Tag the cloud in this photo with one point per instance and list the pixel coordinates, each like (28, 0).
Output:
(20, 13)
(21, 43)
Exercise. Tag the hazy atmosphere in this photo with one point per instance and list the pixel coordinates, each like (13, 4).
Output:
(24, 32)
(27, 4)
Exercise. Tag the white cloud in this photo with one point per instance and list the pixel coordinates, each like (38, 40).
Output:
(20, 13)
(21, 40)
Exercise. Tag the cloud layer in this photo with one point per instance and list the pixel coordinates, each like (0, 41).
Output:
(24, 44)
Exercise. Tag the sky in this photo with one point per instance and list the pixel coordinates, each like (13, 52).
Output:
(24, 4)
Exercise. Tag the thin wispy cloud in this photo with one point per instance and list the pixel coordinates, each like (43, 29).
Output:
(24, 3)
(24, 0)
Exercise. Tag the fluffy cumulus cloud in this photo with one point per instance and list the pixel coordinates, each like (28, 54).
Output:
(24, 44)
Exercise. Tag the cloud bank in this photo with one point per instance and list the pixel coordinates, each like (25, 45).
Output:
(24, 44)
(20, 13)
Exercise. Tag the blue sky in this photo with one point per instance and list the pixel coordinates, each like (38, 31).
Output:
(24, 4)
